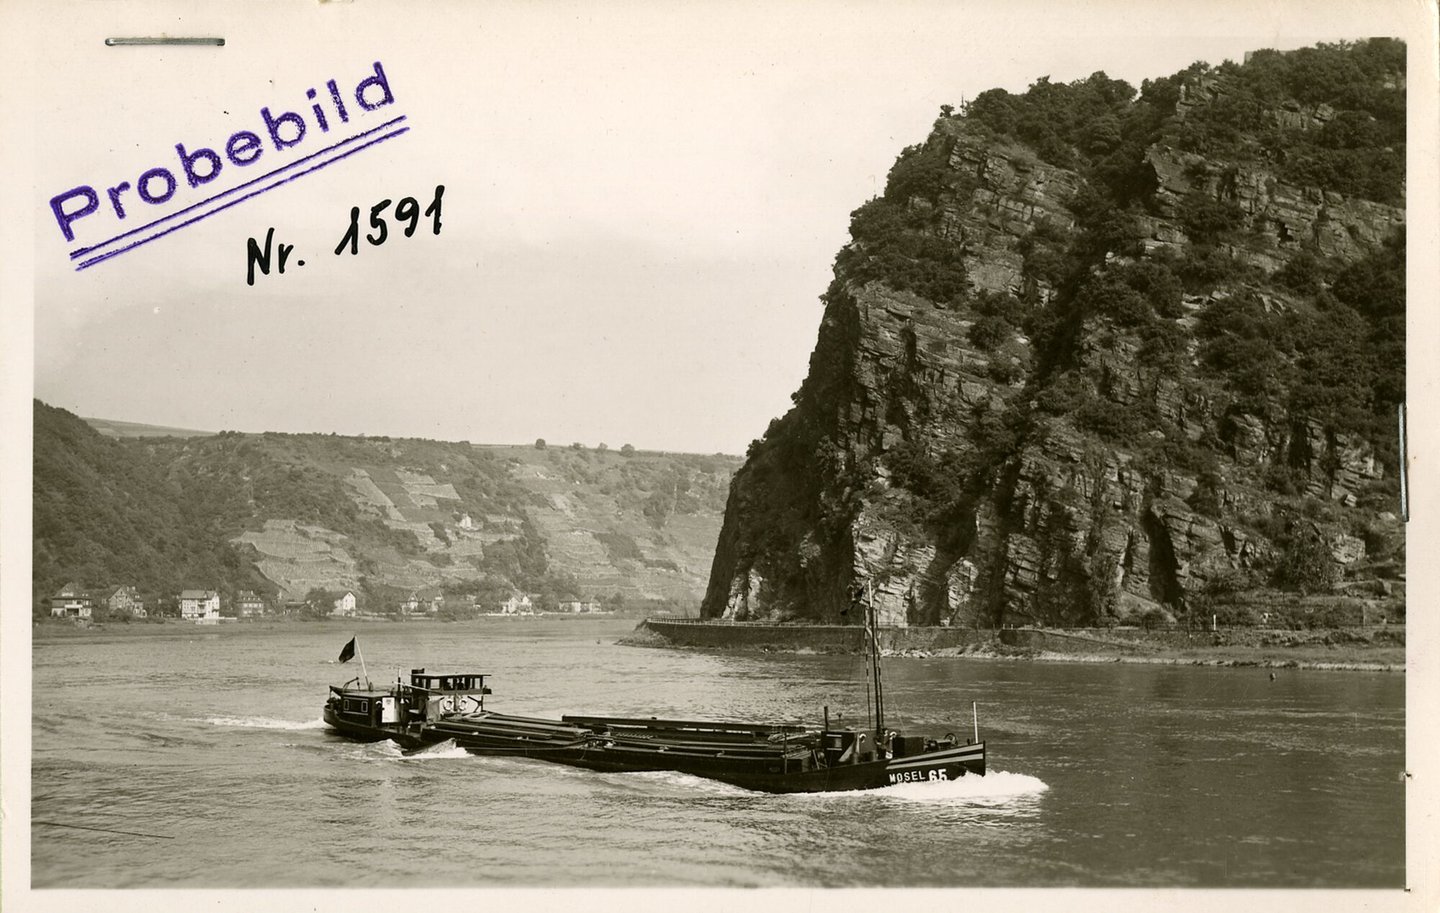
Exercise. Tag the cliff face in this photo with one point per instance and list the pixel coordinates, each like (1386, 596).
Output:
(1097, 358)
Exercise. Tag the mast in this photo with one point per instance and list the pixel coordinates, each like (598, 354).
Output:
(865, 633)
(873, 646)
(363, 670)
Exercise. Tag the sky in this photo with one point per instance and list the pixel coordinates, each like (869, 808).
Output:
(642, 203)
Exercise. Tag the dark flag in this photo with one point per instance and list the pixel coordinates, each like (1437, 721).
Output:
(347, 653)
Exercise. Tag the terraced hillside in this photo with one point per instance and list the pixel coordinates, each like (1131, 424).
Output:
(290, 514)
(643, 525)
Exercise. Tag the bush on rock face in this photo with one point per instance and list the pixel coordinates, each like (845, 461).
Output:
(1305, 563)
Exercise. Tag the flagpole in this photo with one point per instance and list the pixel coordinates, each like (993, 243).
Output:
(361, 654)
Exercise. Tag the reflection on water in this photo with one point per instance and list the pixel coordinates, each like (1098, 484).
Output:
(1101, 774)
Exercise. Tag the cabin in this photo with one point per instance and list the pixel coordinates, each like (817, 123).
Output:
(72, 602)
(201, 606)
(425, 699)
(430, 696)
(364, 707)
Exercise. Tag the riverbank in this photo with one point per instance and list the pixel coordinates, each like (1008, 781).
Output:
(1383, 659)
(1373, 649)
(67, 632)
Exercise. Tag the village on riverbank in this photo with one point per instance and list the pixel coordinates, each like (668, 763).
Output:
(122, 604)
(1374, 646)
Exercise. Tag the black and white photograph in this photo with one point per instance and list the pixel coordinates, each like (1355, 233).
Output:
(511, 447)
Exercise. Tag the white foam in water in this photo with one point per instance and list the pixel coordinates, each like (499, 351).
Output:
(689, 782)
(446, 749)
(378, 751)
(996, 786)
(261, 722)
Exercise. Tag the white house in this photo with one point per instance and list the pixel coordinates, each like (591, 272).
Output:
(200, 605)
(344, 606)
(579, 608)
(517, 605)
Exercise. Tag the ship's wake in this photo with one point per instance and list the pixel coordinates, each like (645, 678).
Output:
(996, 786)
(389, 751)
(442, 750)
(262, 722)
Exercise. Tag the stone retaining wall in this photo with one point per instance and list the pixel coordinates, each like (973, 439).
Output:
(821, 638)
(849, 638)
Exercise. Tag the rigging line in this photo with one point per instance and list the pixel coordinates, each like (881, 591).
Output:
(875, 665)
(864, 659)
(107, 830)
(879, 687)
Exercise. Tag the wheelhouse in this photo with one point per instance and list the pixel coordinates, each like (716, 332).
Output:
(367, 707)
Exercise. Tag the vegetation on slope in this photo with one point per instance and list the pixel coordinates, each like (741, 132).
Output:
(162, 513)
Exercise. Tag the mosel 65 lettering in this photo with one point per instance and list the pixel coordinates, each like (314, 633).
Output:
(915, 776)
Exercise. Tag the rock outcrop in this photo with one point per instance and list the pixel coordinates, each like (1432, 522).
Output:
(1124, 412)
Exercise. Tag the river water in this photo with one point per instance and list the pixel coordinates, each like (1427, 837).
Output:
(1101, 775)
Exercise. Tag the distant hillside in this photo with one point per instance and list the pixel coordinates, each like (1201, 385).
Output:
(284, 514)
(112, 428)
(106, 512)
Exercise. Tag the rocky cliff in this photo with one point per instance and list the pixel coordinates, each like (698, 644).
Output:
(1101, 356)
